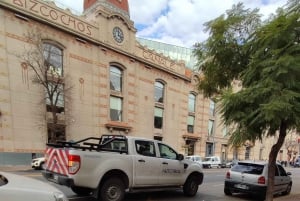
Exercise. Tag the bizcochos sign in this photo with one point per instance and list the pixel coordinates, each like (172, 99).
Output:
(54, 14)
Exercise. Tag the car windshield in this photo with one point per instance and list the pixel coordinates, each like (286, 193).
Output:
(207, 159)
(248, 168)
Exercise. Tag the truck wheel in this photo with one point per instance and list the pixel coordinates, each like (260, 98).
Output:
(81, 190)
(190, 187)
(113, 189)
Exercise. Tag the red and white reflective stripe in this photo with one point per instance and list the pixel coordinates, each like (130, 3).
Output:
(57, 160)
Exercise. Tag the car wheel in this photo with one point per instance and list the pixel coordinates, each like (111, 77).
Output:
(260, 197)
(227, 191)
(190, 186)
(288, 189)
(112, 189)
(209, 166)
(81, 190)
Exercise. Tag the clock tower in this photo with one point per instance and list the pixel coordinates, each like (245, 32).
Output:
(120, 6)
(113, 16)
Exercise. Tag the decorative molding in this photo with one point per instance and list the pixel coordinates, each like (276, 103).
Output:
(117, 125)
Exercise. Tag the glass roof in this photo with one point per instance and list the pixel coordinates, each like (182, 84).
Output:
(174, 52)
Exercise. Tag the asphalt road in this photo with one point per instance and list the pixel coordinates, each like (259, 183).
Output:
(210, 190)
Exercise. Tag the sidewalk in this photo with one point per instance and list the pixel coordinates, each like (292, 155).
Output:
(292, 197)
(12, 168)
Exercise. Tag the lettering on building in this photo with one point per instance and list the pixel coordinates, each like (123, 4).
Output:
(47, 12)
(162, 61)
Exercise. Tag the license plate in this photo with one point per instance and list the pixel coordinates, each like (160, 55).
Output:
(55, 177)
(241, 186)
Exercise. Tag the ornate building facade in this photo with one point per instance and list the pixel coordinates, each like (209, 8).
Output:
(117, 85)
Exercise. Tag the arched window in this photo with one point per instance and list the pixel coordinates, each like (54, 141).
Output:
(116, 97)
(54, 89)
(115, 79)
(192, 102)
(159, 90)
(212, 108)
(53, 56)
(53, 62)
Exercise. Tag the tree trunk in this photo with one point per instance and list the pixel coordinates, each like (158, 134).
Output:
(53, 127)
(272, 160)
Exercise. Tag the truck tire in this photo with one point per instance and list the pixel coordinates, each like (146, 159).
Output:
(81, 190)
(190, 186)
(112, 189)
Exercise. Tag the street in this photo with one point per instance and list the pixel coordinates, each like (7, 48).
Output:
(210, 190)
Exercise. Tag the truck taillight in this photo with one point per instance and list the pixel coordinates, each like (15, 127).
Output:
(73, 163)
(228, 175)
(261, 180)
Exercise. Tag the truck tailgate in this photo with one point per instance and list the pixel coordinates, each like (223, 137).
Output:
(57, 160)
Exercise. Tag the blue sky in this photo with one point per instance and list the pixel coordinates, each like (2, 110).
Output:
(180, 22)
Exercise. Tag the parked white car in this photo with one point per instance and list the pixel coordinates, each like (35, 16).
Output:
(20, 188)
(212, 161)
(252, 177)
(38, 163)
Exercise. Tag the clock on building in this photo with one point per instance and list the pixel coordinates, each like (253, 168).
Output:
(118, 34)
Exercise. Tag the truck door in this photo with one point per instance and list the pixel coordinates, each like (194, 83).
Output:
(146, 164)
(171, 168)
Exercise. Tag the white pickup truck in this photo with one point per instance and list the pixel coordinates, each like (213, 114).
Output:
(109, 166)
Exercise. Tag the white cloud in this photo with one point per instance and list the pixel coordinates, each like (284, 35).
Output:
(180, 22)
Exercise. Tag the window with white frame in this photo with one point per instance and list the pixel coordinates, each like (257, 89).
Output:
(159, 92)
(116, 97)
(191, 113)
(190, 124)
(115, 79)
(210, 127)
(212, 108)
(115, 108)
(192, 102)
(158, 117)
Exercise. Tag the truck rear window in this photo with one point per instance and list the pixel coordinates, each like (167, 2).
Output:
(248, 168)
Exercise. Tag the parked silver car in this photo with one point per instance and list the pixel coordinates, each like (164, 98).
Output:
(20, 188)
(252, 177)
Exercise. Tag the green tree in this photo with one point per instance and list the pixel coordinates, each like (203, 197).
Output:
(269, 102)
(225, 53)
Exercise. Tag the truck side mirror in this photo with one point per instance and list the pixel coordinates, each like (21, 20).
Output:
(180, 157)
